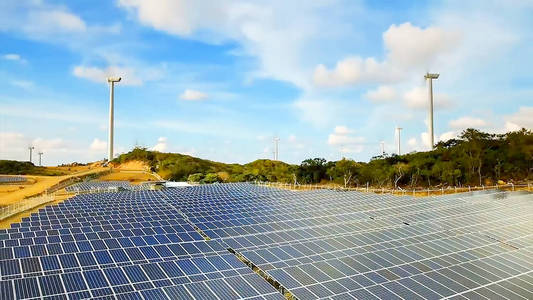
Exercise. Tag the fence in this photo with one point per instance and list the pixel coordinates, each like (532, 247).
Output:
(399, 191)
(15, 208)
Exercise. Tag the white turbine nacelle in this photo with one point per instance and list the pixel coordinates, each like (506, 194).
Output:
(113, 79)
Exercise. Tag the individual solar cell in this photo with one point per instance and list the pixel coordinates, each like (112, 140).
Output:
(27, 288)
(200, 291)
(135, 274)
(73, 282)
(95, 279)
(6, 290)
(51, 285)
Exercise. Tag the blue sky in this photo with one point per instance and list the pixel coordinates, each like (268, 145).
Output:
(220, 79)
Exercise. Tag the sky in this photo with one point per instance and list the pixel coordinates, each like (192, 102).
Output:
(220, 79)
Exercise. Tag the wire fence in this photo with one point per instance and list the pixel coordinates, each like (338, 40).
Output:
(399, 191)
(26, 204)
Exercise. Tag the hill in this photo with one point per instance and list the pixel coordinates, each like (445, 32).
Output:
(13, 167)
(474, 158)
(181, 167)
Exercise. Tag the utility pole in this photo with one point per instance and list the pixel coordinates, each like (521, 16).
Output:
(276, 149)
(40, 158)
(111, 81)
(399, 129)
(429, 77)
(31, 149)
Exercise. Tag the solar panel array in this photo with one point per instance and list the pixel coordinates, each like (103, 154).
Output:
(124, 245)
(99, 185)
(173, 244)
(345, 245)
(12, 179)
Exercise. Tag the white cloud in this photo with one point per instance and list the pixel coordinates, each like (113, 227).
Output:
(521, 119)
(351, 70)
(39, 19)
(447, 136)
(98, 145)
(23, 84)
(347, 142)
(193, 95)
(409, 49)
(267, 30)
(129, 76)
(55, 144)
(382, 94)
(409, 46)
(161, 145)
(341, 130)
(14, 57)
(417, 98)
(55, 20)
(412, 142)
(468, 122)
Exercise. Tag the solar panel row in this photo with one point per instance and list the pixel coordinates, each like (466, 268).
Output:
(12, 179)
(99, 185)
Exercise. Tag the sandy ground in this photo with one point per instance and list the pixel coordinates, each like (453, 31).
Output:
(11, 194)
(131, 176)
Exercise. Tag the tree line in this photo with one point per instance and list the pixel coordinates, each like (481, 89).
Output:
(474, 158)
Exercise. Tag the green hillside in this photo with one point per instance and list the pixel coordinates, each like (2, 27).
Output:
(13, 167)
(474, 158)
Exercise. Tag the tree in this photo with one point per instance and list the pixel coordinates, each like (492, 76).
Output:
(345, 169)
(211, 178)
(196, 177)
(312, 170)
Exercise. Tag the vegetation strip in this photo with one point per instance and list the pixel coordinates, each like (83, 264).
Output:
(474, 158)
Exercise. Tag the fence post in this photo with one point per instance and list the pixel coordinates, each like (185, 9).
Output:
(469, 189)
(428, 191)
(512, 184)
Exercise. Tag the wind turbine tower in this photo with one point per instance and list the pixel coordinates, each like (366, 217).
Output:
(40, 158)
(398, 130)
(31, 149)
(429, 77)
(111, 81)
(276, 149)
(382, 144)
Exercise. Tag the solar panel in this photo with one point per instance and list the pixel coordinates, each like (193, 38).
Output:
(319, 244)
(12, 179)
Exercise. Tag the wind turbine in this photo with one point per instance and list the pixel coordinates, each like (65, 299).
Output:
(276, 149)
(398, 130)
(111, 81)
(40, 158)
(429, 77)
(31, 149)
